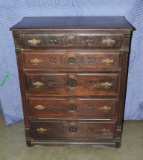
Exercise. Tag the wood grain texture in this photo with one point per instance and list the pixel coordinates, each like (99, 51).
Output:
(72, 107)
(73, 81)
(79, 130)
(72, 60)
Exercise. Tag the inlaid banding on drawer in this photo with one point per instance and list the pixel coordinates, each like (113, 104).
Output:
(71, 40)
(84, 60)
(71, 107)
(97, 130)
(73, 84)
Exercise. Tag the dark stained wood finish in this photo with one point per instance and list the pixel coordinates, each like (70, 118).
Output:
(72, 73)
(71, 60)
(71, 40)
(72, 107)
(90, 22)
(73, 83)
(89, 130)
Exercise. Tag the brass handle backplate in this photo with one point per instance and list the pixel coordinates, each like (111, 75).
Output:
(37, 84)
(72, 123)
(106, 85)
(109, 42)
(72, 83)
(105, 108)
(107, 61)
(35, 61)
(71, 36)
(41, 130)
(71, 40)
(104, 130)
(40, 107)
(34, 42)
(71, 60)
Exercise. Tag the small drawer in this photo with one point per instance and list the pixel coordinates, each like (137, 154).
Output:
(84, 129)
(68, 60)
(106, 40)
(73, 84)
(71, 107)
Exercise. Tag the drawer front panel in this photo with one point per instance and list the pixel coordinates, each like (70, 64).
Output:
(71, 60)
(73, 129)
(71, 107)
(71, 40)
(73, 84)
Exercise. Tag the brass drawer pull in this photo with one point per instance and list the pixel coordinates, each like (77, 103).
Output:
(71, 60)
(34, 42)
(72, 107)
(105, 130)
(71, 76)
(40, 107)
(106, 85)
(107, 61)
(109, 42)
(71, 36)
(72, 123)
(105, 108)
(41, 130)
(35, 61)
(37, 84)
(72, 101)
(72, 83)
(71, 40)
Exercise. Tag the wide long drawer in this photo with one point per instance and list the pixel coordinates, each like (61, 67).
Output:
(71, 59)
(73, 83)
(40, 107)
(95, 130)
(72, 40)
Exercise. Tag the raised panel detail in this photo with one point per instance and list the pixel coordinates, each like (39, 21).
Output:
(72, 107)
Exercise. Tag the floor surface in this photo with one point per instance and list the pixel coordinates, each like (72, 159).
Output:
(13, 147)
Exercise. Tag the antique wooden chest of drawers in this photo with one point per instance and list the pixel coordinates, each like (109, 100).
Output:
(72, 73)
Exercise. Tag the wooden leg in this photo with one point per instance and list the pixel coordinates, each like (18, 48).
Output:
(118, 144)
(28, 142)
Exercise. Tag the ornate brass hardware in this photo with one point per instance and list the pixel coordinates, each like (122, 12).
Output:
(37, 84)
(106, 85)
(72, 123)
(40, 107)
(104, 130)
(105, 108)
(72, 101)
(34, 42)
(109, 42)
(41, 130)
(107, 61)
(72, 83)
(71, 36)
(71, 76)
(35, 61)
(71, 60)
(71, 54)
(72, 107)
(71, 40)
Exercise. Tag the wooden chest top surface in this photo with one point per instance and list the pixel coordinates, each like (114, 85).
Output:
(96, 22)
